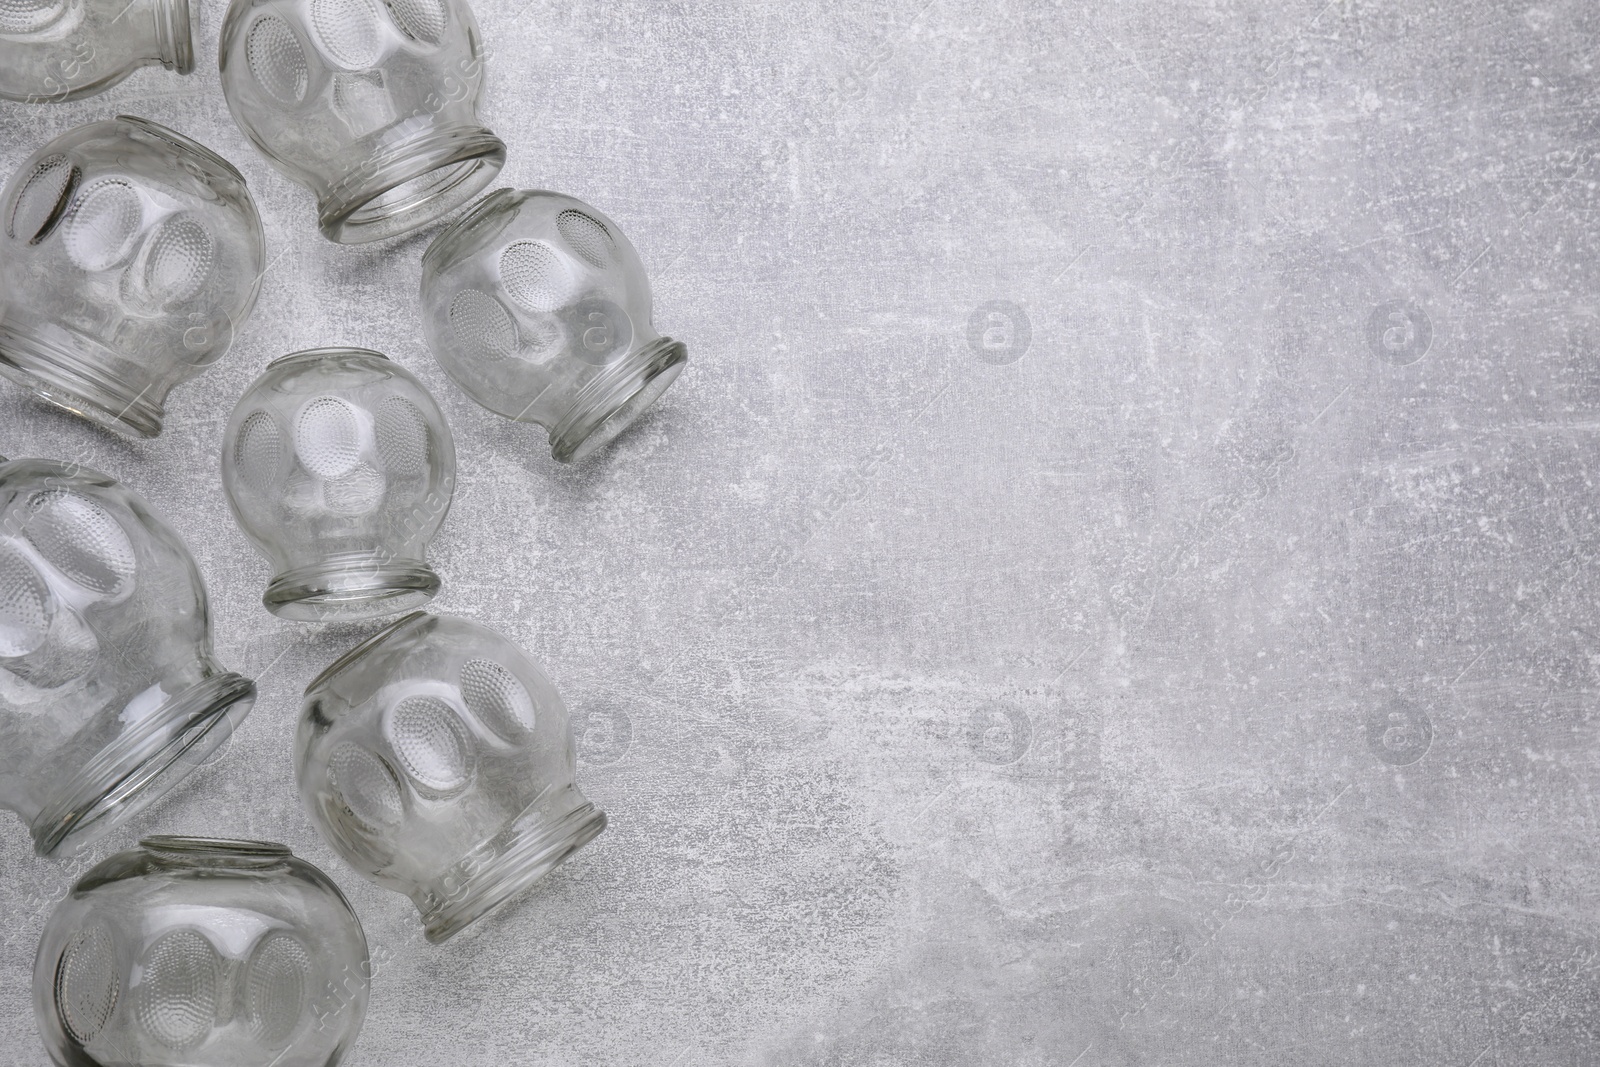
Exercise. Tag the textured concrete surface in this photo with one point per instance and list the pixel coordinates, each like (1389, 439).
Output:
(1115, 585)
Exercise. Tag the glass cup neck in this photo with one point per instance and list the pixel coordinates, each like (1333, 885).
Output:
(174, 36)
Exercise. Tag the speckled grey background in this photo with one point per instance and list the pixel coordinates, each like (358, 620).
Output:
(1114, 586)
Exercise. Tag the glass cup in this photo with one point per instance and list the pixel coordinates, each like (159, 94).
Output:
(194, 952)
(339, 465)
(539, 309)
(55, 50)
(129, 256)
(370, 104)
(437, 759)
(109, 692)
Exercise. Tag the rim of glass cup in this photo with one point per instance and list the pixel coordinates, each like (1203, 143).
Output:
(408, 185)
(616, 399)
(308, 354)
(183, 141)
(500, 879)
(364, 647)
(131, 773)
(194, 851)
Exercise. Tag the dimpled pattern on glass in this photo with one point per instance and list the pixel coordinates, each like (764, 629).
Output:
(25, 605)
(172, 267)
(87, 982)
(42, 198)
(278, 987)
(421, 20)
(497, 699)
(365, 786)
(177, 989)
(80, 539)
(276, 61)
(433, 747)
(28, 16)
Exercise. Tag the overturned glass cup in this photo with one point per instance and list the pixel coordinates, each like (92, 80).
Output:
(339, 466)
(538, 307)
(437, 759)
(109, 691)
(129, 256)
(197, 951)
(370, 104)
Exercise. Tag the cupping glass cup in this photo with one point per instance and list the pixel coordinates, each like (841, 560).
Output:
(538, 307)
(370, 104)
(109, 691)
(194, 952)
(437, 759)
(129, 256)
(339, 466)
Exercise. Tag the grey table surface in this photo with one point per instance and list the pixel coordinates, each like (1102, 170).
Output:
(1114, 586)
